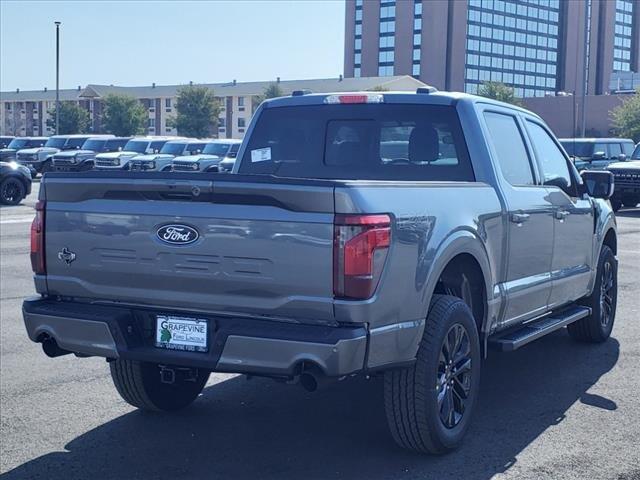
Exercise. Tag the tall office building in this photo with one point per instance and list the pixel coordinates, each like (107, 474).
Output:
(537, 46)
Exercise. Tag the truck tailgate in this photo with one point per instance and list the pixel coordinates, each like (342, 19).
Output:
(262, 247)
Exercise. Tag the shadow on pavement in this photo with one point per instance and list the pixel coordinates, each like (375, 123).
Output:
(261, 429)
(629, 213)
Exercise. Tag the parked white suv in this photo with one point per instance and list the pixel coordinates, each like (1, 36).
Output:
(133, 148)
(218, 156)
(161, 162)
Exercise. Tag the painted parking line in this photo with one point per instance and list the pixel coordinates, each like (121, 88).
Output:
(16, 219)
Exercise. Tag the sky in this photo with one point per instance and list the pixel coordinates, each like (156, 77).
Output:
(169, 42)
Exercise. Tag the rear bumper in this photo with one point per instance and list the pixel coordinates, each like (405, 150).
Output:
(236, 345)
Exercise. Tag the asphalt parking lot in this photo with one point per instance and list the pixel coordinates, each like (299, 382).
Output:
(554, 409)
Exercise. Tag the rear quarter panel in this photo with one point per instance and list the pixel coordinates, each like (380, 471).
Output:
(433, 222)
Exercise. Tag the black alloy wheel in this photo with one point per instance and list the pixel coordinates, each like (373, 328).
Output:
(455, 370)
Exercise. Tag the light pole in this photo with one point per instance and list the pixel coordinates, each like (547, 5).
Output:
(585, 72)
(57, 77)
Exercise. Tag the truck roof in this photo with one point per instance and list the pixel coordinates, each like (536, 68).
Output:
(82, 135)
(159, 137)
(595, 139)
(423, 95)
(191, 140)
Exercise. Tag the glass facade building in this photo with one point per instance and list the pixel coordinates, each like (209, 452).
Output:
(535, 46)
(513, 42)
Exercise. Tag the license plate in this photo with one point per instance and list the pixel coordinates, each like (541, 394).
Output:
(181, 333)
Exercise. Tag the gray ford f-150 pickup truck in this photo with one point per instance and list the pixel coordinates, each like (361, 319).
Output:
(402, 234)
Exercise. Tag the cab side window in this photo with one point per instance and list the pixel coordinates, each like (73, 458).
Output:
(511, 152)
(615, 150)
(555, 171)
(600, 151)
(627, 149)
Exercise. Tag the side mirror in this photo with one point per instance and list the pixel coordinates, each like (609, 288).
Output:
(155, 150)
(622, 157)
(598, 156)
(119, 149)
(598, 183)
(232, 155)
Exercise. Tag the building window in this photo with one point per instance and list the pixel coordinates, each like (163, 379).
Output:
(515, 43)
(386, 56)
(167, 103)
(222, 122)
(622, 38)
(417, 36)
(385, 70)
(241, 123)
(357, 58)
(152, 123)
(386, 42)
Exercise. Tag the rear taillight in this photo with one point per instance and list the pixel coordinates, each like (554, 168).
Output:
(37, 241)
(360, 247)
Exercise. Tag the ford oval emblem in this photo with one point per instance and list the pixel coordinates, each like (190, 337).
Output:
(177, 234)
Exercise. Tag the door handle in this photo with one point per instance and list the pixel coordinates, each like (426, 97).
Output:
(519, 217)
(561, 214)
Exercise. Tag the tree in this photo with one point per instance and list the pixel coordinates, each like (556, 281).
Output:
(499, 91)
(73, 118)
(272, 90)
(198, 112)
(124, 115)
(626, 118)
(379, 88)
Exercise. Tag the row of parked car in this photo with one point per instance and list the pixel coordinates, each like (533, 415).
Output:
(161, 154)
(618, 155)
(107, 152)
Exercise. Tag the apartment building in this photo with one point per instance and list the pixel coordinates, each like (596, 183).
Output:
(25, 113)
(536, 46)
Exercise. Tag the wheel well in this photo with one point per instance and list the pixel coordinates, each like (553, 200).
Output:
(611, 241)
(463, 277)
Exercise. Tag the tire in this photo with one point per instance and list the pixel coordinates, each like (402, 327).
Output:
(46, 167)
(12, 191)
(630, 202)
(411, 402)
(138, 383)
(596, 328)
(616, 204)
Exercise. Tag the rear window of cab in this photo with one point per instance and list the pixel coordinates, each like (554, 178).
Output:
(359, 141)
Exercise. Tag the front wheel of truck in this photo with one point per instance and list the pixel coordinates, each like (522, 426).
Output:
(430, 404)
(149, 386)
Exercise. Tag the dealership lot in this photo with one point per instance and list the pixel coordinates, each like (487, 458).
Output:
(554, 409)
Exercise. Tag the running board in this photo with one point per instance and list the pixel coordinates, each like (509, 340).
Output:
(514, 339)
